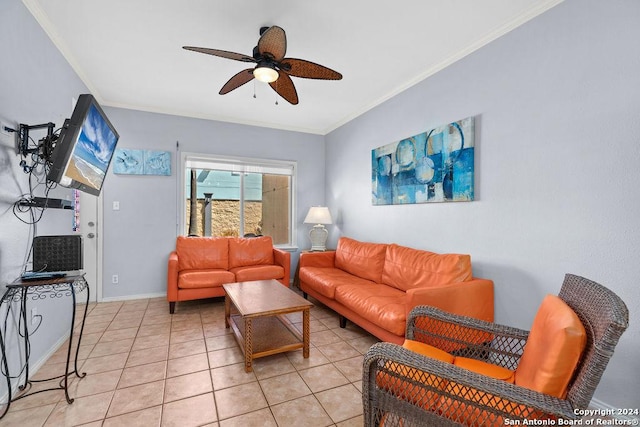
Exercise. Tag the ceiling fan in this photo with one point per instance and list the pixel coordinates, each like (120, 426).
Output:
(272, 67)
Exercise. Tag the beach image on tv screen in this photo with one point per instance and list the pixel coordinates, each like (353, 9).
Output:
(90, 159)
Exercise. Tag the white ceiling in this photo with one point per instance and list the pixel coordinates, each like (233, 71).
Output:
(129, 52)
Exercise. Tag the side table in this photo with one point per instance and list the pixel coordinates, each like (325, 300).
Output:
(19, 291)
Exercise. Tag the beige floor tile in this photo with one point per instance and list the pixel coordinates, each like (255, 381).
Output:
(324, 337)
(261, 418)
(231, 375)
(142, 374)
(94, 383)
(187, 335)
(226, 356)
(305, 411)
(323, 377)
(271, 366)
(283, 388)
(341, 403)
(150, 341)
(119, 334)
(215, 329)
(352, 422)
(114, 347)
(315, 358)
(338, 351)
(187, 348)
(95, 365)
(364, 343)
(149, 417)
(38, 399)
(238, 400)
(193, 411)
(83, 410)
(155, 329)
(89, 338)
(96, 327)
(34, 417)
(149, 355)
(135, 398)
(220, 341)
(187, 386)
(351, 368)
(187, 365)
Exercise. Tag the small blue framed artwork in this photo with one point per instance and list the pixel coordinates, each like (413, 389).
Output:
(142, 162)
(434, 166)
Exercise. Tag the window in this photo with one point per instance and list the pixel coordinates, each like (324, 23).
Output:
(226, 196)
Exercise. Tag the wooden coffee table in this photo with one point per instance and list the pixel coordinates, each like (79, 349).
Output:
(259, 322)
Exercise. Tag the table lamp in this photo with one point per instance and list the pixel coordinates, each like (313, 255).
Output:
(318, 215)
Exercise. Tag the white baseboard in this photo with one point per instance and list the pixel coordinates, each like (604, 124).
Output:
(132, 297)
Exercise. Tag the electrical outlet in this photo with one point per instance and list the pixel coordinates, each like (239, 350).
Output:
(115, 279)
(34, 315)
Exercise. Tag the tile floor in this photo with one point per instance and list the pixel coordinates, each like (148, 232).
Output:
(146, 367)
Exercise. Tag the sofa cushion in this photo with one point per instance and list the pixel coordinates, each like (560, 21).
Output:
(406, 268)
(258, 272)
(361, 259)
(250, 251)
(381, 304)
(553, 349)
(192, 279)
(202, 253)
(326, 280)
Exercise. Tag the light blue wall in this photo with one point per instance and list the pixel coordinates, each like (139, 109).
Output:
(36, 86)
(146, 223)
(557, 107)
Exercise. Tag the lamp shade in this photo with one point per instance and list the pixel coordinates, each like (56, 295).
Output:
(318, 215)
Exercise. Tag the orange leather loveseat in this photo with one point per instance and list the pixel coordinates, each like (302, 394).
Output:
(376, 285)
(201, 265)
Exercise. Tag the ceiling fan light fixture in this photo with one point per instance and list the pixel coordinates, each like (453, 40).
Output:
(265, 73)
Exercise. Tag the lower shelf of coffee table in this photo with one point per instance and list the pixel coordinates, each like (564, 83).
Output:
(270, 335)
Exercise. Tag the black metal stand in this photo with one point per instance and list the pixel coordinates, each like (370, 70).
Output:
(20, 291)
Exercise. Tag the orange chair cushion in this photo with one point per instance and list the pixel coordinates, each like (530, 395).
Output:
(361, 259)
(397, 378)
(407, 268)
(194, 279)
(486, 369)
(258, 272)
(553, 349)
(250, 251)
(201, 253)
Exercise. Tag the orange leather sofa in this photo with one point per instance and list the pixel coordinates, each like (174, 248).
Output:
(201, 265)
(376, 285)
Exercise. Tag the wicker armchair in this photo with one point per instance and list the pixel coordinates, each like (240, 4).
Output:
(419, 399)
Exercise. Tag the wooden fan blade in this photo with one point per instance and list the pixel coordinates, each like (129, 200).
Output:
(285, 88)
(236, 81)
(308, 69)
(273, 43)
(221, 53)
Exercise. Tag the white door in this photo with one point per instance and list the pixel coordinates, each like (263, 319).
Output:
(90, 229)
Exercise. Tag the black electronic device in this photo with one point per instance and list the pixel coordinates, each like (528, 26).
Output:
(57, 253)
(84, 149)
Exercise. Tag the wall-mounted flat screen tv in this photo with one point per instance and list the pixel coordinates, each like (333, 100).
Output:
(84, 150)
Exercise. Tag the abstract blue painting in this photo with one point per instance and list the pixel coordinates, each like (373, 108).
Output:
(434, 166)
(142, 162)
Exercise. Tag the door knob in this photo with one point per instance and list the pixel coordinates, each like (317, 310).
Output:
(91, 235)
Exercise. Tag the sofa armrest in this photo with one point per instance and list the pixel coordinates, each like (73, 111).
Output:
(473, 298)
(317, 259)
(172, 277)
(283, 258)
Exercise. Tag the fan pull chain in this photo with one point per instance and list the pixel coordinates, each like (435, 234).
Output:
(277, 92)
(254, 89)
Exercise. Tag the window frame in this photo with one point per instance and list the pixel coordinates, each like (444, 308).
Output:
(181, 226)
